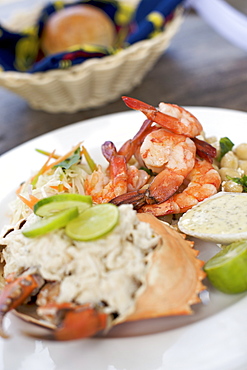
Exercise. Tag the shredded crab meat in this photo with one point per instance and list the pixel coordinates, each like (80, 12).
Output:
(110, 269)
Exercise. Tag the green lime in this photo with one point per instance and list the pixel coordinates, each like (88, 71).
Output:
(93, 223)
(47, 224)
(48, 206)
(227, 270)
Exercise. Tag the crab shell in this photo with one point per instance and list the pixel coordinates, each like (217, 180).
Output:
(173, 281)
(174, 278)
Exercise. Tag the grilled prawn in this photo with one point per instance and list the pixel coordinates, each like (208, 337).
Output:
(170, 149)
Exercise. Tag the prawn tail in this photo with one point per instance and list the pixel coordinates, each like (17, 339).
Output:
(152, 113)
(137, 104)
(108, 150)
(205, 150)
(136, 198)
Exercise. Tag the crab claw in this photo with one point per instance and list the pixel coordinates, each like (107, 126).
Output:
(16, 292)
(72, 321)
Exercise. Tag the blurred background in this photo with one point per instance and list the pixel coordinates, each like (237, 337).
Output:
(199, 68)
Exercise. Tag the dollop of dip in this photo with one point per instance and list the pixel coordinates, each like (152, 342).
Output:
(221, 218)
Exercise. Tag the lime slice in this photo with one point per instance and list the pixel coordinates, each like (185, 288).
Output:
(48, 206)
(227, 270)
(93, 223)
(47, 224)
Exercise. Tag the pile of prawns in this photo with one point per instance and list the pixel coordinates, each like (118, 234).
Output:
(174, 168)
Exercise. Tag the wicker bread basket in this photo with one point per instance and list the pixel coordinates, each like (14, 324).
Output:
(92, 83)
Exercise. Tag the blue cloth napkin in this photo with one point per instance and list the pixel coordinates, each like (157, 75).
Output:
(21, 51)
(150, 18)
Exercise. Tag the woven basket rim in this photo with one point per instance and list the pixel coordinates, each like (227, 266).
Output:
(95, 82)
(89, 65)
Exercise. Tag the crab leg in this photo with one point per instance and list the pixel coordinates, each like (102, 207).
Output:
(73, 321)
(16, 292)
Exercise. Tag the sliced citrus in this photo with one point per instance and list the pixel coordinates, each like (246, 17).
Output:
(48, 206)
(47, 224)
(93, 223)
(227, 270)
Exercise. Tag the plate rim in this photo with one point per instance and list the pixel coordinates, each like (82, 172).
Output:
(91, 120)
(221, 316)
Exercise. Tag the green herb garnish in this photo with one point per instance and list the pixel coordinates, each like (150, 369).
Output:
(225, 146)
(68, 162)
(149, 172)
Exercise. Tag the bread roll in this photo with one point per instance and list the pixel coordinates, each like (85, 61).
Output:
(77, 25)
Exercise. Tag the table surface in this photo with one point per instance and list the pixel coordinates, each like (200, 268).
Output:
(200, 68)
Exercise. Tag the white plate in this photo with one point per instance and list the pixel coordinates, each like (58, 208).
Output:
(214, 338)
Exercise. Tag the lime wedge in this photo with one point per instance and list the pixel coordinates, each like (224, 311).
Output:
(93, 223)
(48, 206)
(227, 270)
(47, 224)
